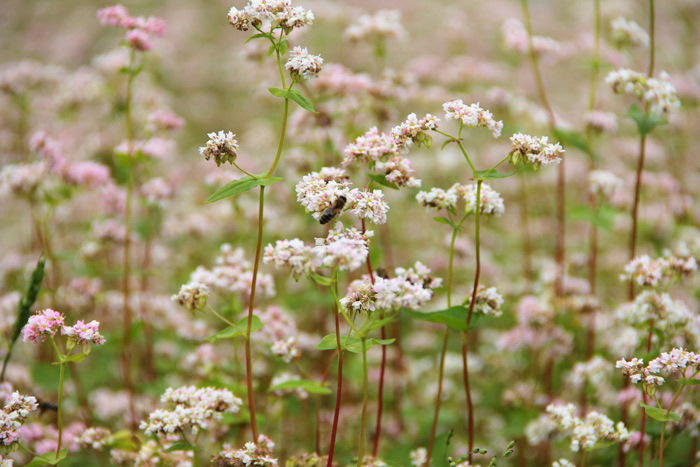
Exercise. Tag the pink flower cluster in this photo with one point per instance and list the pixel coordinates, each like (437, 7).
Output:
(139, 29)
(47, 323)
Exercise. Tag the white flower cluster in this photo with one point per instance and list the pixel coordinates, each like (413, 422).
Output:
(488, 301)
(23, 179)
(27, 75)
(472, 116)
(537, 151)
(253, 454)
(193, 409)
(13, 415)
(628, 33)
(192, 296)
(516, 39)
(603, 184)
(269, 15)
(650, 272)
(286, 349)
(221, 146)
(302, 64)
(157, 191)
(410, 288)
(94, 437)
(676, 361)
(369, 205)
(659, 93)
(490, 201)
(232, 273)
(293, 254)
(638, 373)
(361, 296)
(586, 432)
(320, 190)
(384, 24)
(592, 372)
(414, 130)
(346, 249)
(603, 122)
(398, 171)
(668, 314)
(418, 457)
(563, 463)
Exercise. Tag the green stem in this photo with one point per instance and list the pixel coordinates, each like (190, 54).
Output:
(59, 416)
(365, 392)
(241, 169)
(230, 323)
(466, 156)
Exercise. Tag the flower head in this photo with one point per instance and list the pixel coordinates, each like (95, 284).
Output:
(192, 296)
(472, 116)
(538, 152)
(43, 324)
(84, 333)
(302, 64)
(222, 147)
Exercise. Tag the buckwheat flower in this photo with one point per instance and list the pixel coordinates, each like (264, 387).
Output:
(269, 15)
(472, 116)
(592, 372)
(43, 324)
(23, 179)
(659, 93)
(157, 191)
(232, 273)
(638, 373)
(238, 19)
(95, 437)
(6, 461)
(286, 349)
(86, 173)
(516, 39)
(488, 301)
(602, 122)
(13, 415)
(115, 15)
(293, 254)
(645, 271)
(320, 190)
(165, 121)
(414, 130)
(563, 463)
(628, 33)
(384, 24)
(139, 40)
(603, 184)
(360, 296)
(410, 288)
(677, 361)
(490, 202)
(222, 147)
(369, 205)
(418, 457)
(20, 77)
(346, 249)
(398, 171)
(537, 151)
(373, 146)
(585, 433)
(194, 409)
(437, 199)
(192, 296)
(302, 64)
(109, 231)
(48, 149)
(253, 454)
(370, 461)
(84, 333)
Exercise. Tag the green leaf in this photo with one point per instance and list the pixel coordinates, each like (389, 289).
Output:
(238, 331)
(49, 458)
(25, 304)
(380, 323)
(181, 447)
(455, 317)
(351, 344)
(689, 382)
(381, 179)
(573, 138)
(77, 358)
(239, 186)
(659, 414)
(446, 221)
(491, 174)
(283, 46)
(312, 387)
(645, 123)
(446, 143)
(603, 217)
(323, 280)
(259, 36)
(294, 95)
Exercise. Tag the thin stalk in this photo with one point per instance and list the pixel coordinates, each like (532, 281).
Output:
(147, 327)
(661, 445)
(465, 336)
(560, 248)
(365, 394)
(126, 279)
(635, 207)
(339, 389)
(525, 228)
(59, 415)
(438, 399)
(256, 265)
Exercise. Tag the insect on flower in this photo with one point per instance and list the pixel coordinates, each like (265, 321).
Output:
(333, 211)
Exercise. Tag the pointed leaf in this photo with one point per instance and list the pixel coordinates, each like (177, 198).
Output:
(351, 344)
(381, 179)
(659, 414)
(181, 447)
(446, 221)
(455, 317)
(239, 330)
(491, 174)
(645, 122)
(49, 458)
(294, 95)
(239, 186)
